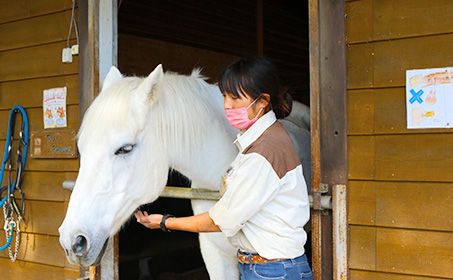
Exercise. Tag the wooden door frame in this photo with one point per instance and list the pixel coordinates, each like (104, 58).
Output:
(98, 51)
(98, 30)
(329, 136)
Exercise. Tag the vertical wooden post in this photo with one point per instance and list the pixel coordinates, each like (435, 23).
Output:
(315, 130)
(340, 233)
(88, 54)
(328, 120)
(97, 53)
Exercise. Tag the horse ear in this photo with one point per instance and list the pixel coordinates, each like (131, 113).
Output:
(112, 77)
(148, 89)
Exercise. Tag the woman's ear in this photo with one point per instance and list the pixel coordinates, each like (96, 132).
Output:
(265, 100)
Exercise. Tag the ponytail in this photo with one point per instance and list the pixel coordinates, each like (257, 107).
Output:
(282, 104)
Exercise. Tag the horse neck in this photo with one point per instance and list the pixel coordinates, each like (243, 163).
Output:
(211, 161)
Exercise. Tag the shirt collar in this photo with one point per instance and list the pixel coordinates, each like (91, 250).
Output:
(247, 137)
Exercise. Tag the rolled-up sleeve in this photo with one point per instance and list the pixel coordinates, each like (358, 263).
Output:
(251, 185)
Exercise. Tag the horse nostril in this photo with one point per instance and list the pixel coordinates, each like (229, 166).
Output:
(80, 245)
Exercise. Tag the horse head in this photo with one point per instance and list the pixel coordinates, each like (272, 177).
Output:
(116, 173)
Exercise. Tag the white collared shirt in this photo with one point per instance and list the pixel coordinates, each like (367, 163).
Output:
(265, 206)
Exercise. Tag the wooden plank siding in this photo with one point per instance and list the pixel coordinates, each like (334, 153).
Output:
(32, 36)
(400, 180)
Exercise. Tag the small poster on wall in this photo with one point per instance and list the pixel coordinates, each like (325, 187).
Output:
(429, 98)
(54, 107)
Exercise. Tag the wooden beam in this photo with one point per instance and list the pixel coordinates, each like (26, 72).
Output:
(88, 55)
(97, 53)
(315, 135)
(328, 120)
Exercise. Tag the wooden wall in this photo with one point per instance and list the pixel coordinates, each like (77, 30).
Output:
(400, 180)
(32, 36)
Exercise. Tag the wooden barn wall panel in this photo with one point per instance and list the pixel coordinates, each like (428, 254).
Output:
(390, 113)
(361, 112)
(360, 66)
(46, 185)
(368, 275)
(414, 157)
(361, 157)
(400, 18)
(29, 93)
(23, 9)
(414, 205)
(368, 20)
(44, 216)
(362, 203)
(411, 157)
(362, 247)
(31, 270)
(400, 179)
(380, 111)
(32, 36)
(29, 32)
(393, 58)
(37, 248)
(384, 63)
(36, 62)
(401, 205)
(359, 21)
(36, 119)
(416, 252)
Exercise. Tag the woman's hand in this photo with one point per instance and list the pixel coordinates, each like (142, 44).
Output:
(150, 221)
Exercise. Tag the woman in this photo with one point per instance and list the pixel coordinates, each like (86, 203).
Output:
(265, 206)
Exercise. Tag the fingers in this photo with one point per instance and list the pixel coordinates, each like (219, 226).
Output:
(150, 221)
(138, 215)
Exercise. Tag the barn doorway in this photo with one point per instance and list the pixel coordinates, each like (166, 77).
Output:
(182, 35)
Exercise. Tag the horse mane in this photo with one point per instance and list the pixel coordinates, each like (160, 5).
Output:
(182, 111)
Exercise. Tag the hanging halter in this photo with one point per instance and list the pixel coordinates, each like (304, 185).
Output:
(9, 202)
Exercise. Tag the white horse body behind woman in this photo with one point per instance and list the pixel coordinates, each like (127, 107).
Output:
(135, 130)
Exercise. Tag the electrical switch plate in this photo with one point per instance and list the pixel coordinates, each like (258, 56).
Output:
(75, 50)
(66, 56)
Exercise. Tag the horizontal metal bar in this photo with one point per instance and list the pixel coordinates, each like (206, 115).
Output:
(204, 194)
(190, 193)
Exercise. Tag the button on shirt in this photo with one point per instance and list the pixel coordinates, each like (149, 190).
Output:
(265, 205)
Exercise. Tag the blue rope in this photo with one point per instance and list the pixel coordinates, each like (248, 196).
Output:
(10, 238)
(8, 141)
(15, 109)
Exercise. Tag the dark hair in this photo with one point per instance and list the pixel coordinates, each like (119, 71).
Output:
(255, 76)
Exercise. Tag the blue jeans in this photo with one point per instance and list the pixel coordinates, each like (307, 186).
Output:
(291, 269)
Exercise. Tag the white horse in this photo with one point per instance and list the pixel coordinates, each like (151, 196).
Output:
(134, 131)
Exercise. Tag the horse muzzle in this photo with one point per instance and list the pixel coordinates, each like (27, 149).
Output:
(81, 253)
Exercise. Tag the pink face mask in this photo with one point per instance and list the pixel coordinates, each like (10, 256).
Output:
(239, 118)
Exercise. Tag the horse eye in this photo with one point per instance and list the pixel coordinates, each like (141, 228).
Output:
(125, 149)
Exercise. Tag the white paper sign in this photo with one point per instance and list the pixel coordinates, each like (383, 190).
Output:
(429, 98)
(54, 107)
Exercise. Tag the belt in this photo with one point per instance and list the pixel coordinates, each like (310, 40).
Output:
(255, 259)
